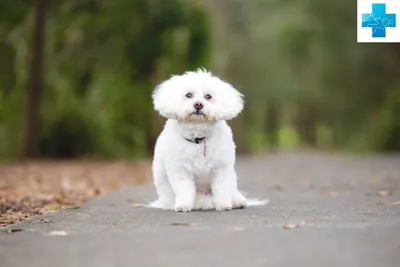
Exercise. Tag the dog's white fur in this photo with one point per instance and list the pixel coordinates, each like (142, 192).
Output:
(185, 176)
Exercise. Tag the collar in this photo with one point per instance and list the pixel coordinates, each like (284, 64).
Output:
(196, 140)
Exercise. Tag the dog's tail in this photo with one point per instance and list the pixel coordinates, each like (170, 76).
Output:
(157, 204)
(256, 202)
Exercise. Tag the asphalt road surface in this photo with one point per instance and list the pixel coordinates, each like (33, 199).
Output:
(324, 210)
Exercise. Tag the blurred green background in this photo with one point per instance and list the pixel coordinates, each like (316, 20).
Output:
(76, 76)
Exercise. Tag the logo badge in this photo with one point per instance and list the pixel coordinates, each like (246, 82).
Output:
(377, 21)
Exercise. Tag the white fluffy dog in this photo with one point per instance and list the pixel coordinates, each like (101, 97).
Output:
(194, 156)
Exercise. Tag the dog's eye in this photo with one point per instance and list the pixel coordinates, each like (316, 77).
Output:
(208, 97)
(189, 95)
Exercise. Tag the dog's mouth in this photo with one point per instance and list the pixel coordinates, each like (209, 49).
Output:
(198, 113)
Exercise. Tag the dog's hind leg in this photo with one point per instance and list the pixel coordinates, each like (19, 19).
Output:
(238, 199)
(166, 198)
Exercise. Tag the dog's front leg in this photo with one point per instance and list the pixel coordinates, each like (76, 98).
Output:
(184, 189)
(221, 188)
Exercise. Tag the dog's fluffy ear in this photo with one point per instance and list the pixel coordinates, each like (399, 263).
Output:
(164, 98)
(230, 101)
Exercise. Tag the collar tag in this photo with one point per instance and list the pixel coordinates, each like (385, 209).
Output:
(204, 146)
(199, 140)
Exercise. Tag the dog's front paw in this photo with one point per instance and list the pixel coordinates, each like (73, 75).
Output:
(183, 206)
(239, 201)
(222, 205)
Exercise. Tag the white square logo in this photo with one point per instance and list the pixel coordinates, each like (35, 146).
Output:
(378, 21)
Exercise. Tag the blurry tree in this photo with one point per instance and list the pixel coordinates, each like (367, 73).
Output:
(31, 120)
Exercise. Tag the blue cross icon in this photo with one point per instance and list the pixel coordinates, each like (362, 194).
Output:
(378, 20)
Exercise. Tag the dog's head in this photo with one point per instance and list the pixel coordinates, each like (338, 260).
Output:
(197, 96)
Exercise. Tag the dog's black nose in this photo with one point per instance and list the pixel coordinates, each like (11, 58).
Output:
(198, 105)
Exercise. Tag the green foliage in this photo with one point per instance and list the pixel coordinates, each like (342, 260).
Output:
(103, 59)
(301, 68)
(306, 80)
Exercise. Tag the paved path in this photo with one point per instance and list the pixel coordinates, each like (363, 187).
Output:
(344, 208)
